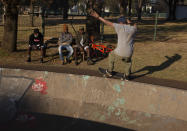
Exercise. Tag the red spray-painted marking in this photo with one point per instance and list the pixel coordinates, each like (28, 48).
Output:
(40, 85)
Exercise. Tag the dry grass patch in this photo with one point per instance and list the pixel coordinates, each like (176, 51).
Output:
(165, 58)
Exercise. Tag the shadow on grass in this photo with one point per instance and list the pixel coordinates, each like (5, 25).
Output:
(45, 122)
(54, 57)
(22, 50)
(162, 66)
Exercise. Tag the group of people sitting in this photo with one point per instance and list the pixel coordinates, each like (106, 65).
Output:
(125, 30)
(65, 40)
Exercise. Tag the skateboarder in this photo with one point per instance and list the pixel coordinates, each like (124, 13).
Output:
(126, 33)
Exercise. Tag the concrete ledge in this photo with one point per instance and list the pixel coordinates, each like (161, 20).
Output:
(105, 100)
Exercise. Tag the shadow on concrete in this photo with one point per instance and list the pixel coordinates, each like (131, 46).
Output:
(41, 122)
(162, 66)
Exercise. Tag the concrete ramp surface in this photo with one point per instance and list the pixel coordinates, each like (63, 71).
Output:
(12, 89)
(131, 105)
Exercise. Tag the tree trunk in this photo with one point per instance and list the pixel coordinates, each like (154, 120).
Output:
(123, 7)
(139, 9)
(3, 16)
(43, 21)
(65, 13)
(139, 14)
(32, 14)
(65, 10)
(172, 9)
(10, 28)
(92, 24)
(130, 7)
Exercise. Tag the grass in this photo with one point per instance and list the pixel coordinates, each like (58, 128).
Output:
(165, 58)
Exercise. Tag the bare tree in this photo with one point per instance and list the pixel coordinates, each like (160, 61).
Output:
(123, 7)
(9, 42)
(129, 8)
(32, 13)
(139, 8)
(93, 25)
(10, 24)
(172, 4)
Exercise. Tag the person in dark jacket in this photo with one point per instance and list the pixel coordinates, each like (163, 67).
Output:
(36, 42)
(82, 45)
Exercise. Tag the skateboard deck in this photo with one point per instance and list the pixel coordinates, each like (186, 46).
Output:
(114, 74)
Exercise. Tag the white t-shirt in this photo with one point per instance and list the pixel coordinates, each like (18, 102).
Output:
(82, 40)
(126, 35)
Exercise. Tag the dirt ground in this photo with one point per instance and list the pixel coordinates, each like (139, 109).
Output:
(165, 58)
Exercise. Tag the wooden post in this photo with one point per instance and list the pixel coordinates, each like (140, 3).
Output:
(32, 14)
(102, 26)
(156, 22)
(43, 21)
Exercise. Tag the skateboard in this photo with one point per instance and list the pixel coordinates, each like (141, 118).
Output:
(116, 75)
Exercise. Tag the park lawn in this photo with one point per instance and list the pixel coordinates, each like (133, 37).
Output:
(153, 57)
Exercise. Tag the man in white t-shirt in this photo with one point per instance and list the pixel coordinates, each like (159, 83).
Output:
(126, 33)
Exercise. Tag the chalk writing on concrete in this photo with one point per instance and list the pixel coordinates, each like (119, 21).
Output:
(117, 88)
(85, 77)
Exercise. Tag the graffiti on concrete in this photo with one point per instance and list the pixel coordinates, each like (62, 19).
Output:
(118, 87)
(117, 109)
(85, 78)
(40, 85)
(114, 107)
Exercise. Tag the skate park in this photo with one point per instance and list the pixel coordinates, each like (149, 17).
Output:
(60, 87)
(126, 105)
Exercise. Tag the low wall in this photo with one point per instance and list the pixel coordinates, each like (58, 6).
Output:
(125, 104)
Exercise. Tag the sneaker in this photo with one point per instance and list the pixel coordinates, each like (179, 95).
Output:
(76, 63)
(29, 59)
(126, 78)
(41, 60)
(109, 74)
(63, 63)
(89, 61)
(68, 61)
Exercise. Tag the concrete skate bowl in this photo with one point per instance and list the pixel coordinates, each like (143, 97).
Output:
(82, 102)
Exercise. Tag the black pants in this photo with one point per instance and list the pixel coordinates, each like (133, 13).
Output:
(42, 48)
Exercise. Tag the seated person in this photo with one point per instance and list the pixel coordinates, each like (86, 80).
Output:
(36, 42)
(64, 42)
(82, 45)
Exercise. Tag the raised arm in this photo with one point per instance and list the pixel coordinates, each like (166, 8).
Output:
(96, 15)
